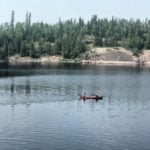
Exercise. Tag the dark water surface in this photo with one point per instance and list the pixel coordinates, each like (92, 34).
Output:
(40, 108)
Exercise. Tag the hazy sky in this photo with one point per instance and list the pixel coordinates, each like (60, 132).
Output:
(50, 10)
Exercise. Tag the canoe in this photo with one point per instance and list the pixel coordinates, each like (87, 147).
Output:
(96, 97)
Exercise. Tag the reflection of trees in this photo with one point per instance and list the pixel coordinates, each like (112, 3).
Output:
(12, 86)
(28, 87)
(24, 88)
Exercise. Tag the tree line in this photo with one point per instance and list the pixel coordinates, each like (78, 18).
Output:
(71, 38)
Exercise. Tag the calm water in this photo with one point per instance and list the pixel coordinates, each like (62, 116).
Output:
(40, 108)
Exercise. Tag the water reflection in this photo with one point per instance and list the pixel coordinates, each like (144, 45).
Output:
(40, 108)
(25, 88)
(7, 70)
(67, 83)
(12, 86)
(28, 87)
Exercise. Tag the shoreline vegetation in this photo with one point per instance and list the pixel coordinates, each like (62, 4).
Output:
(96, 41)
(105, 56)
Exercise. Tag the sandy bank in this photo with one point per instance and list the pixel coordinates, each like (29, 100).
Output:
(122, 63)
(44, 59)
(107, 55)
(115, 56)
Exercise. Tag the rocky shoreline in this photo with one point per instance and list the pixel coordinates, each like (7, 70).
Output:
(25, 60)
(106, 56)
(56, 59)
(116, 56)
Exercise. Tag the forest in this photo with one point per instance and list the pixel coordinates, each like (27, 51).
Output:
(71, 38)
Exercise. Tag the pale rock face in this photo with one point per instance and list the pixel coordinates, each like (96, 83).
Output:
(44, 59)
(118, 55)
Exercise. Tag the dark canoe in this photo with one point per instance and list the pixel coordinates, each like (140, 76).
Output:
(96, 97)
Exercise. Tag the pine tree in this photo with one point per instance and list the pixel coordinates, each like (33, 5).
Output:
(12, 20)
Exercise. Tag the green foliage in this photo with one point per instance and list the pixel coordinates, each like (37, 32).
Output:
(12, 20)
(71, 38)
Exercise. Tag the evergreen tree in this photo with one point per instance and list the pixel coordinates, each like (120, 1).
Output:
(71, 38)
(12, 20)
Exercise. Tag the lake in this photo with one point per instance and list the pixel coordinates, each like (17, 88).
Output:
(40, 107)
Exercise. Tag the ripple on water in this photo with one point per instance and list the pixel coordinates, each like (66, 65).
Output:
(41, 108)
